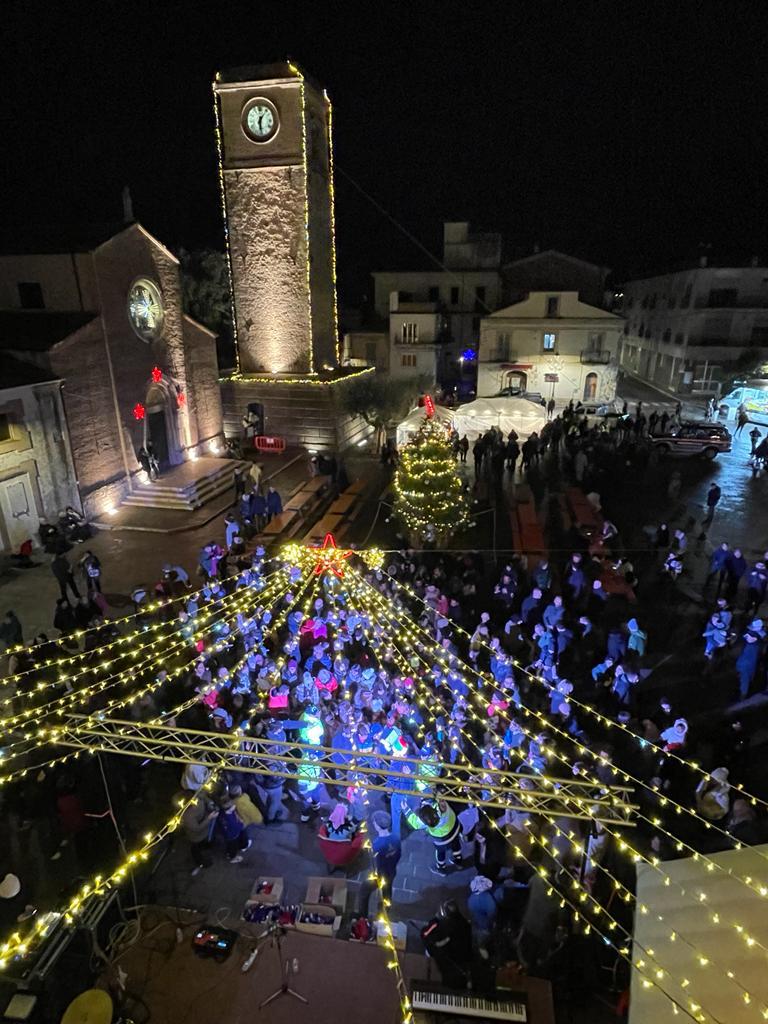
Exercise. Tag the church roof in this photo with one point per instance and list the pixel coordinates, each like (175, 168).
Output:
(17, 374)
(37, 330)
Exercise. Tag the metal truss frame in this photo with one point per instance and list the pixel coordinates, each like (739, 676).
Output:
(543, 795)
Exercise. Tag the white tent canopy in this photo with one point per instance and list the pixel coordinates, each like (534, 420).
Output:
(709, 926)
(505, 413)
(414, 421)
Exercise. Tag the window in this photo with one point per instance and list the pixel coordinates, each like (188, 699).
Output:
(410, 334)
(667, 335)
(720, 297)
(31, 295)
(679, 338)
(5, 427)
(480, 292)
(596, 342)
(502, 347)
(550, 340)
(434, 293)
(553, 304)
(454, 296)
(409, 359)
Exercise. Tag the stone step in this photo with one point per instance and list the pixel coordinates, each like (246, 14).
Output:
(191, 495)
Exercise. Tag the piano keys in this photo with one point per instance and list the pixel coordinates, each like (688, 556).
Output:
(447, 1002)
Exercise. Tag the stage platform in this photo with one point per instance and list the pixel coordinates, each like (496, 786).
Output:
(343, 981)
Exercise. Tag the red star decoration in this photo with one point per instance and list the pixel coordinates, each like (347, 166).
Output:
(138, 411)
(332, 561)
(157, 374)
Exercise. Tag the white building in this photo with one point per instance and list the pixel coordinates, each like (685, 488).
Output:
(551, 344)
(37, 476)
(463, 292)
(683, 329)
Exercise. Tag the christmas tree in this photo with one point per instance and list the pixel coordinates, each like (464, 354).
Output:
(429, 497)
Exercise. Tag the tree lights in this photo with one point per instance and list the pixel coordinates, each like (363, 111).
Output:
(429, 494)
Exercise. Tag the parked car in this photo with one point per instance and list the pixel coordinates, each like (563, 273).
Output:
(708, 439)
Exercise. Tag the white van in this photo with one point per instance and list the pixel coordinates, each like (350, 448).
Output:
(753, 396)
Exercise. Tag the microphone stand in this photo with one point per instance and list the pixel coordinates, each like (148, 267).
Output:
(276, 934)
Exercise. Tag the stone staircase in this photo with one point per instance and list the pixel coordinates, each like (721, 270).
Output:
(188, 486)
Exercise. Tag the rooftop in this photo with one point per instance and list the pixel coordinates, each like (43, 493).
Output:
(37, 330)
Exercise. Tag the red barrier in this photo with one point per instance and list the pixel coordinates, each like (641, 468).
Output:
(265, 443)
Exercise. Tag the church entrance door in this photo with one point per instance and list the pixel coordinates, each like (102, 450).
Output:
(157, 433)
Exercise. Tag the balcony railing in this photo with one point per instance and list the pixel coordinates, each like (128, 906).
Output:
(500, 356)
(592, 356)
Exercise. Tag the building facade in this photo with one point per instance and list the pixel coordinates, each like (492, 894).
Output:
(550, 344)
(685, 330)
(468, 288)
(107, 320)
(37, 476)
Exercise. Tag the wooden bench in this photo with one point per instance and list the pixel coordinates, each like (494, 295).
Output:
(316, 484)
(279, 523)
(343, 504)
(356, 488)
(328, 524)
(299, 501)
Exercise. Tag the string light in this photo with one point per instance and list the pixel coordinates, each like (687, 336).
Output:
(648, 982)
(701, 958)
(317, 381)
(332, 201)
(429, 494)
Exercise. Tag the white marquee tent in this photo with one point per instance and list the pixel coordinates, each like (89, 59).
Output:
(505, 413)
(710, 926)
(407, 430)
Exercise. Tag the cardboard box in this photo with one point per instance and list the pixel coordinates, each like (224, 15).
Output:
(328, 892)
(399, 934)
(329, 928)
(273, 896)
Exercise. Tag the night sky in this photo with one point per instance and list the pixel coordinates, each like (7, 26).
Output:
(626, 133)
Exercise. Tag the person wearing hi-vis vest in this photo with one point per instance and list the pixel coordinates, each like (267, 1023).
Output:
(442, 827)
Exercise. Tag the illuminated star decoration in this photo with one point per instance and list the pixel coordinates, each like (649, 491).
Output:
(138, 411)
(330, 558)
(157, 374)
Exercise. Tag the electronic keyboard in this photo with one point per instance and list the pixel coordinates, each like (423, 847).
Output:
(511, 1006)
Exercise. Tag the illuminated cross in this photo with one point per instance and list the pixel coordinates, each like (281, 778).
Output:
(330, 558)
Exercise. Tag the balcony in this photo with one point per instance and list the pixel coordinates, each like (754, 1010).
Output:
(591, 356)
(499, 355)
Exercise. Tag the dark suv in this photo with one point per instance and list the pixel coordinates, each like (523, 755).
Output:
(708, 439)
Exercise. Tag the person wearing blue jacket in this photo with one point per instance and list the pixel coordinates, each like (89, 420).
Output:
(274, 504)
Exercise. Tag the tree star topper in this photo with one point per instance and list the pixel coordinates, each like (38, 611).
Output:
(330, 558)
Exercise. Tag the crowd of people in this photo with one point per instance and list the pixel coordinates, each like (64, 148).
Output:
(535, 666)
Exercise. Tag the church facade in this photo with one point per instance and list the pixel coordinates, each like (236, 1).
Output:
(106, 318)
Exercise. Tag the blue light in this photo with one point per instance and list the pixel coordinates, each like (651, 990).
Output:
(469, 354)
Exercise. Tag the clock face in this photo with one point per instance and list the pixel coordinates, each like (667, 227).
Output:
(260, 120)
(145, 309)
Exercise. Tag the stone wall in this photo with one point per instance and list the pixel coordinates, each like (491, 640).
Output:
(38, 447)
(307, 416)
(268, 247)
(204, 398)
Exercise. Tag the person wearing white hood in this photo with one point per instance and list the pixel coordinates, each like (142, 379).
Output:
(13, 909)
(713, 800)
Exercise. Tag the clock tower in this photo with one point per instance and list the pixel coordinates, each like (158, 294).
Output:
(274, 138)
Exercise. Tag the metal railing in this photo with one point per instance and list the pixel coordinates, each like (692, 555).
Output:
(589, 355)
